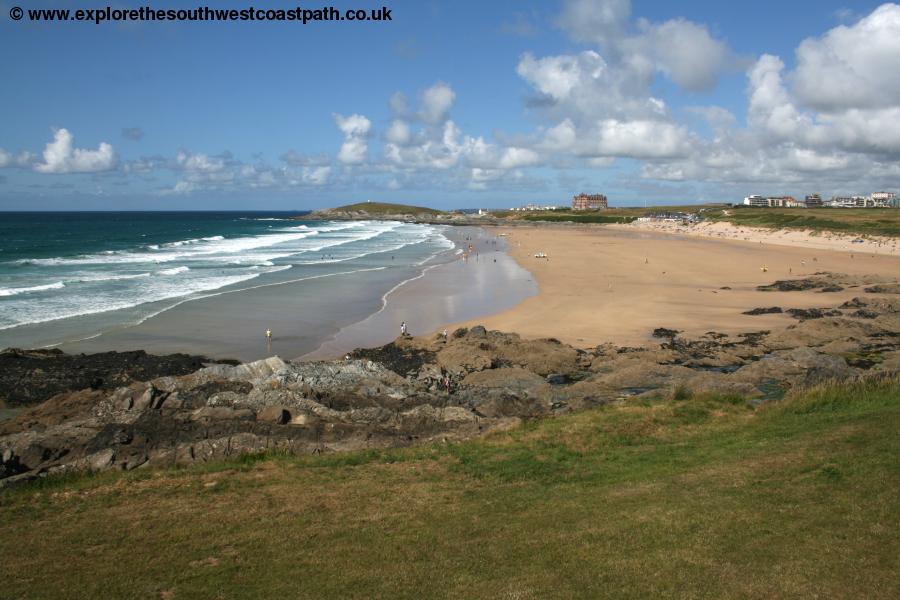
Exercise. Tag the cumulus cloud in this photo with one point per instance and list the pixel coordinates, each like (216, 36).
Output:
(200, 163)
(436, 102)
(832, 123)
(513, 158)
(856, 66)
(22, 159)
(596, 21)
(61, 157)
(398, 133)
(682, 50)
(685, 52)
(356, 130)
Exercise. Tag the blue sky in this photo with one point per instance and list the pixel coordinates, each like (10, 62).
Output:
(452, 104)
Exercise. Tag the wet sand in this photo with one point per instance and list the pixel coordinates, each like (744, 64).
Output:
(602, 284)
(487, 281)
(363, 308)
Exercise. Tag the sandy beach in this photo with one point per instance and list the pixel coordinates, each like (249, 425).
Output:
(604, 284)
(827, 240)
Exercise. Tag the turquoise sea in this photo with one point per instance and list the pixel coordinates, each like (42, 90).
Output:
(66, 277)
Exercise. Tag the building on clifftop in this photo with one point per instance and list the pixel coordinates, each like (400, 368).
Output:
(589, 202)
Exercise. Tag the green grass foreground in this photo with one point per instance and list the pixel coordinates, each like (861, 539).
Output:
(700, 497)
(859, 221)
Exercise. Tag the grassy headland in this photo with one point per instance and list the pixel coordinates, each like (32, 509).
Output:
(376, 209)
(861, 221)
(704, 496)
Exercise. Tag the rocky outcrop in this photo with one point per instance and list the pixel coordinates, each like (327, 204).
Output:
(409, 391)
(29, 377)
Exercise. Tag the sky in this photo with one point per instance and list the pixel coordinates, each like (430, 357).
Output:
(451, 104)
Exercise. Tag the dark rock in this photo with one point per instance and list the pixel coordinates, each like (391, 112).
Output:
(402, 360)
(887, 288)
(662, 332)
(794, 285)
(865, 313)
(557, 379)
(832, 288)
(478, 331)
(461, 332)
(764, 311)
(812, 313)
(29, 377)
(855, 303)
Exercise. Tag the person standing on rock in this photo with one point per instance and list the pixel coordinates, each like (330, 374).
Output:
(403, 329)
(269, 334)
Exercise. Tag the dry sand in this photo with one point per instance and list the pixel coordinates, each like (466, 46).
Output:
(782, 237)
(602, 284)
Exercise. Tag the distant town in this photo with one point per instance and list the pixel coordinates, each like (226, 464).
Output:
(874, 200)
(579, 202)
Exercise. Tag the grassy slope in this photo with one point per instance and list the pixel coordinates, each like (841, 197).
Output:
(862, 221)
(384, 208)
(610, 215)
(699, 498)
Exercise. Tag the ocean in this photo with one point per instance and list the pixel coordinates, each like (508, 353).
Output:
(70, 277)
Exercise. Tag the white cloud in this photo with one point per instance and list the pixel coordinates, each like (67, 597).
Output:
(22, 159)
(61, 157)
(398, 132)
(685, 52)
(641, 139)
(855, 66)
(682, 50)
(356, 130)
(316, 175)
(518, 157)
(199, 163)
(436, 102)
(595, 20)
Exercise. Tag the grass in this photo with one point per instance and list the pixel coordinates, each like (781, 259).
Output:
(609, 215)
(384, 208)
(700, 497)
(862, 221)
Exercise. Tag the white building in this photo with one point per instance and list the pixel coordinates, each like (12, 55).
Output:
(773, 201)
(756, 200)
(537, 207)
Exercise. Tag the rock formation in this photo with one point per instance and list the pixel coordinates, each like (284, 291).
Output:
(410, 390)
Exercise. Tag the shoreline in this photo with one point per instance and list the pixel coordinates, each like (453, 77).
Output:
(488, 282)
(229, 323)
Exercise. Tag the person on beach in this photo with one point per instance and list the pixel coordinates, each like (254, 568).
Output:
(444, 334)
(403, 329)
